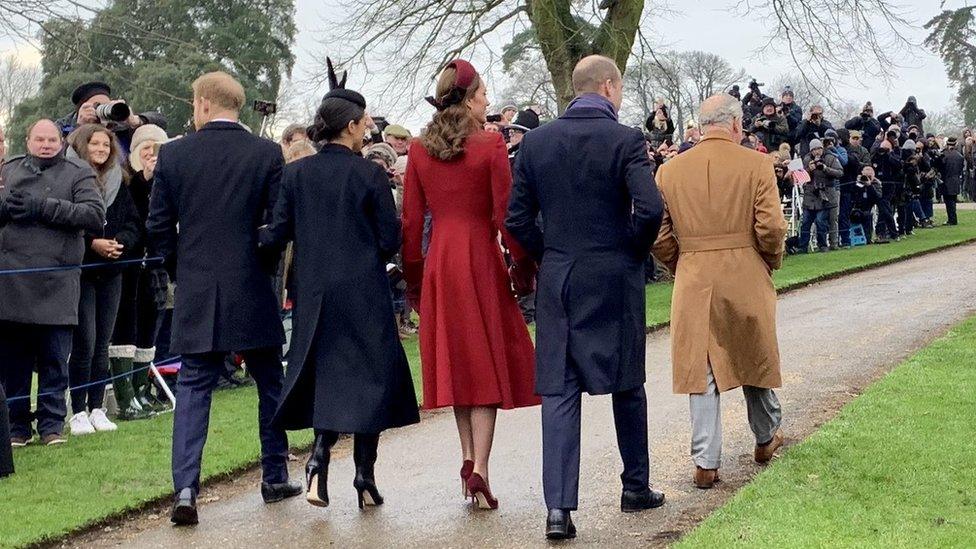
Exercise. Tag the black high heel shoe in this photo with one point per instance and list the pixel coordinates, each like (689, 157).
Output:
(317, 469)
(364, 454)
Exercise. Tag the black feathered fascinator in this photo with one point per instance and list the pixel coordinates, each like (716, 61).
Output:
(337, 87)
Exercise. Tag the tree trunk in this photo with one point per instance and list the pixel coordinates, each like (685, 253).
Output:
(563, 43)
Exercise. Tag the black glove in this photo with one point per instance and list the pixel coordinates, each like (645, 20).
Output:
(158, 283)
(24, 207)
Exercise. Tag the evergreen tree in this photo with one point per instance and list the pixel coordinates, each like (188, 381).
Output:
(952, 36)
(151, 52)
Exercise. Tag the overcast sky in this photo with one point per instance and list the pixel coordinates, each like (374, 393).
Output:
(707, 25)
(697, 25)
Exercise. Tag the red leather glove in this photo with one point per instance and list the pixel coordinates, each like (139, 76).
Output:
(523, 275)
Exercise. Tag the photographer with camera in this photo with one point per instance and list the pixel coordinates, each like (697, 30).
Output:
(818, 198)
(792, 112)
(865, 123)
(913, 166)
(659, 125)
(868, 195)
(93, 105)
(912, 115)
(857, 157)
(887, 162)
(769, 126)
(752, 101)
(814, 127)
(832, 148)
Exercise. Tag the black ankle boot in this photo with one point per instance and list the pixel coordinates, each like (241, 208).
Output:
(364, 454)
(317, 469)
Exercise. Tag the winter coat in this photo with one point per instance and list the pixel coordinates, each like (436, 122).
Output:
(771, 131)
(913, 116)
(807, 131)
(722, 252)
(954, 172)
(656, 135)
(794, 116)
(601, 213)
(869, 127)
(72, 205)
(217, 185)
(815, 195)
(347, 370)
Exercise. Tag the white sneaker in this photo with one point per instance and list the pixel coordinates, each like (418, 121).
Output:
(80, 424)
(101, 422)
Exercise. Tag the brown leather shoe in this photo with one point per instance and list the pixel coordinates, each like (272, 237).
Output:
(765, 452)
(705, 478)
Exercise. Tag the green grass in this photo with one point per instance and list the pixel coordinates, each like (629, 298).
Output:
(894, 469)
(59, 490)
(802, 269)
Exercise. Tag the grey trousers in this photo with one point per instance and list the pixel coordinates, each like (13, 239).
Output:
(764, 414)
(835, 218)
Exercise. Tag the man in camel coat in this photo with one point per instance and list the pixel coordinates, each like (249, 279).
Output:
(722, 236)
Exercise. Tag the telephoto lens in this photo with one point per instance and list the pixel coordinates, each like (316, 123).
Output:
(116, 111)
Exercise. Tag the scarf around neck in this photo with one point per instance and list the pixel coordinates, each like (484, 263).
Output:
(594, 101)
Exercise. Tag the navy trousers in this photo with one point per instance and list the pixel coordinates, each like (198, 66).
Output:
(24, 347)
(561, 441)
(844, 217)
(6, 456)
(191, 420)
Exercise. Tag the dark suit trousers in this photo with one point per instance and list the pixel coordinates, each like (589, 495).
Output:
(561, 441)
(6, 455)
(24, 347)
(191, 420)
(950, 204)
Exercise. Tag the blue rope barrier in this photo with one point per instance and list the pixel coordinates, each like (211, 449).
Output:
(84, 266)
(168, 361)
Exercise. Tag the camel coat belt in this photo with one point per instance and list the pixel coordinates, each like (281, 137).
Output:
(722, 236)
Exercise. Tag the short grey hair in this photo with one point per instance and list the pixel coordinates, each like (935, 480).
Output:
(720, 112)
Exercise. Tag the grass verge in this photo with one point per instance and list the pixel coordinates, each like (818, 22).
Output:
(95, 478)
(893, 469)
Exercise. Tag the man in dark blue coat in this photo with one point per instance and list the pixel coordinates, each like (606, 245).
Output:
(218, 186)
(590, 178)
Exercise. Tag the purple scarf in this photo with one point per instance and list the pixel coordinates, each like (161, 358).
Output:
(594, 101)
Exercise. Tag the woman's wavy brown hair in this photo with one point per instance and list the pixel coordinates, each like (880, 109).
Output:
(444, 137)
(79, 140)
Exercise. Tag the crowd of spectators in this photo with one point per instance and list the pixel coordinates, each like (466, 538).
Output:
(80, 196)
(873, 177)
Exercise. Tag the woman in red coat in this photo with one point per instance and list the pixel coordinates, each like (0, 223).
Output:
(476, 351)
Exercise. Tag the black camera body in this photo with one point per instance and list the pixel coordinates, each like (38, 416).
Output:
(265, 108)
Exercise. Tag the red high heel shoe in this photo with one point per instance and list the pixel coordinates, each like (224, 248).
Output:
(466, 469)
(480, 492)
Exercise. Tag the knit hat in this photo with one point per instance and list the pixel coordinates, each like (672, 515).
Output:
(143, 137)
(911, 99)
(831, 133)
(816, 144)
(951, 141)
(396, 130)
(768, 101)
(856, 133)
(908, 145)
(787, 91)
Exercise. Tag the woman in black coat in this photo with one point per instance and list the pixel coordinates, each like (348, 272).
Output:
(347, 371)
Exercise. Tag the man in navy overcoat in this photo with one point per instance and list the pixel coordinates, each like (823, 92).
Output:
(213, 189)
(590, 178)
